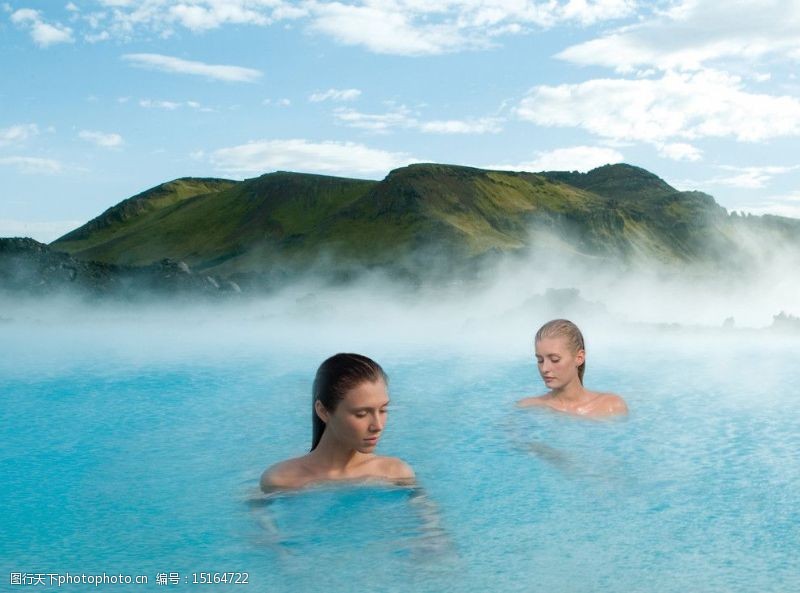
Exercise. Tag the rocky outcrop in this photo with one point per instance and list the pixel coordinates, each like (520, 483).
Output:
(32, 268)
(785, 322)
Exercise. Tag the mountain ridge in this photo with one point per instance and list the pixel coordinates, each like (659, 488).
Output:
(285, 223)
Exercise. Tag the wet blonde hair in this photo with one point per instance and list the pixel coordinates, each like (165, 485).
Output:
(564, 328)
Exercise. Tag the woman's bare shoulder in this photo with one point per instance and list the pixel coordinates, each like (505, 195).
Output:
(611, 404)
(292, 473)
(394, 469)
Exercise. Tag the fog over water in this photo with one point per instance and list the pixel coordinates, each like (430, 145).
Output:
(502, 303)
(493, 318)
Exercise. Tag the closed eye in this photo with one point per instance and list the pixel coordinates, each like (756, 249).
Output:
(363, 413)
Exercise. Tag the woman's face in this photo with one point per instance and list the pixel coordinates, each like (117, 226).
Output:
(558, 364)
(358, 421)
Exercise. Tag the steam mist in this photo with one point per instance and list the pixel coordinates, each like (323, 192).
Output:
(497, 310)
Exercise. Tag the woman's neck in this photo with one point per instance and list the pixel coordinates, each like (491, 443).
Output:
(571, 393)
(332, 457)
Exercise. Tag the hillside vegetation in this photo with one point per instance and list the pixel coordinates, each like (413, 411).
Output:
(419, 218)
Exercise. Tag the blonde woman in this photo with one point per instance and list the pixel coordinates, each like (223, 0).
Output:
(561, 358)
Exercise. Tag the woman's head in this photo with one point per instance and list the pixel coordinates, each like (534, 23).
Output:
(338, 375)
(565, 347)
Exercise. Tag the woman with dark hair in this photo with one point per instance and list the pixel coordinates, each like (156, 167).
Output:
(561, 358)
(348, 415)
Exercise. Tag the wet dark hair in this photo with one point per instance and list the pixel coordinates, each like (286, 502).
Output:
(564, 328)
(335, 377)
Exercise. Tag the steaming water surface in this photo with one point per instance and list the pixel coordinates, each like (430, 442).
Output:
(141, 456)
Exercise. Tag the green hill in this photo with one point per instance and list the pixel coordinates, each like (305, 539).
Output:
(416, 218)
(620, 182)
(136, 209)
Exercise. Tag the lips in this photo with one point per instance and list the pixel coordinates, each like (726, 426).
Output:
(371, 440)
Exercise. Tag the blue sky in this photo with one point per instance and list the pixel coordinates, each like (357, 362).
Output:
(102, 99)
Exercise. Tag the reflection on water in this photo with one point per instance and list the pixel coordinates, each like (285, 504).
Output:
(552, 455)
(332, 536)
(351, 521)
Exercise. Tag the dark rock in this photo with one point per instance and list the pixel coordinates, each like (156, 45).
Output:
(785, 322)
(32, 268)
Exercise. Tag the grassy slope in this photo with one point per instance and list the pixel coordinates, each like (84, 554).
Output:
(657, 219)
(207, 229)
(456, 211)
(134, 212)
(290, 220)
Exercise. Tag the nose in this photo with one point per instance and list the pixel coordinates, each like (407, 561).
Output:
(377, 423)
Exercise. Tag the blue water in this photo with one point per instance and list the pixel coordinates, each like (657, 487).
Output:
(140, 455)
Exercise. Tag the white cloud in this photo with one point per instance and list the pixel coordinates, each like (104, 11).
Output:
(401, 117)
(486, 125)
(575, 158)
(414, 27)
(680, 151)
(32, 165)
(375, 122)
(128, 18)
(387, 29)
(779, 205)
(43, 34)
(150, 104)
(44, 232)
(172, 105)
(303, 155)
(17, 133)
(102, 139)
(696, 33)
(749, 177)
(71, 7)
(335, 95)
(678, 106)
(400, 27)
(96, 37)
(588, 12)
(177, 65)
(199, 18)
(25, 15)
